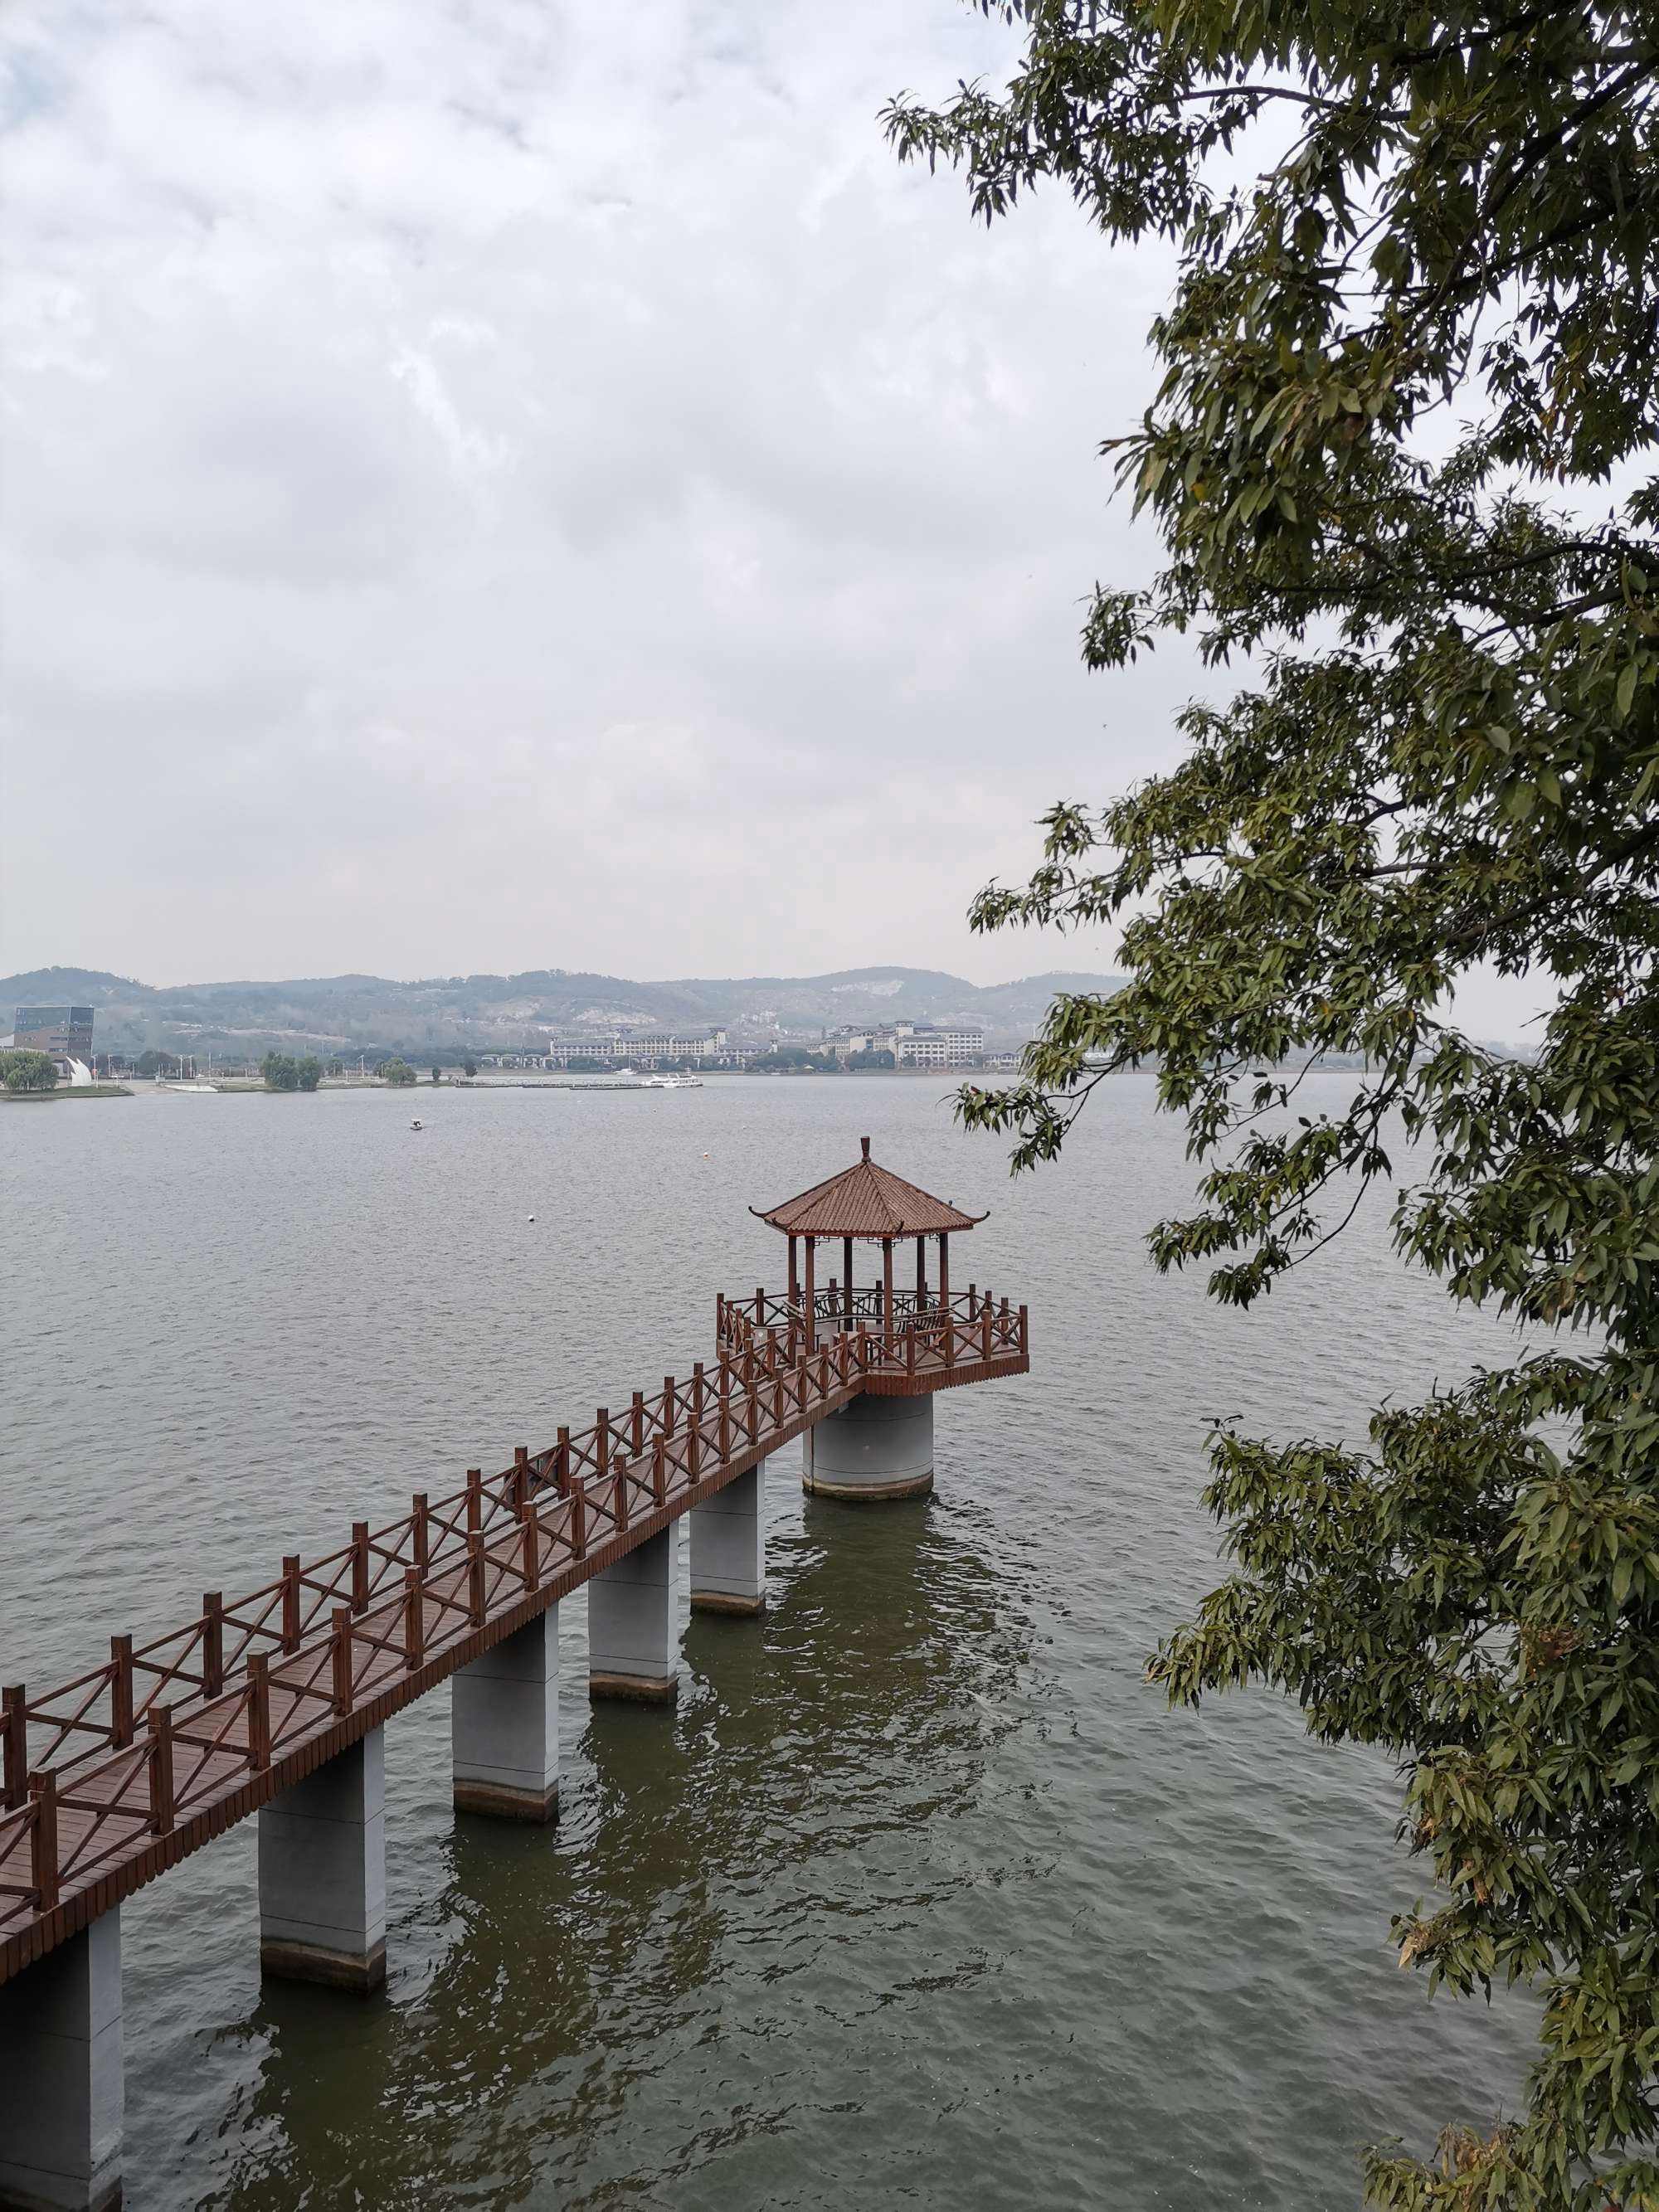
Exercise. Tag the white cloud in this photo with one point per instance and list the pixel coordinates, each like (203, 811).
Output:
(494, 484)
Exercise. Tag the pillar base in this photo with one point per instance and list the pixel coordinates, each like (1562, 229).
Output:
(322, 1873)
(634, 1689)
(504, 1726)
(495, 1801)
(361, 1972)
(106, 2197)
(61, 2077)
(743, 1609)
(869, 1494)
(872, 1452)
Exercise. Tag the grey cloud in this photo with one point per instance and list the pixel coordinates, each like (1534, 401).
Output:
(492, 486)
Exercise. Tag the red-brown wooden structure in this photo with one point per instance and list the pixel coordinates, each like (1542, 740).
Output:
(108, 1780)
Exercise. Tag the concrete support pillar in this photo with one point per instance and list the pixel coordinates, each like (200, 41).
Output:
(728, 1547)
(630, 1626)
(322, 1873)
(873, 1449)
(504, 1726)
(60, 2076)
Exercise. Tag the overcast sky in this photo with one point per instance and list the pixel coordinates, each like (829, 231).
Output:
(514, 484)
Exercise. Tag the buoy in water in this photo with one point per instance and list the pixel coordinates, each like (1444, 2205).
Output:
(530, 1217)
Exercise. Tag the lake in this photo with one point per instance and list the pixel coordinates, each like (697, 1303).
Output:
(919, 1896)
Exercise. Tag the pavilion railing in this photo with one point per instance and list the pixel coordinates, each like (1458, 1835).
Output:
(92, 1771)
(960, 1327)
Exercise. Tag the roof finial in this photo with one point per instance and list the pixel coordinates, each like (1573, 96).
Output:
(865, 1141)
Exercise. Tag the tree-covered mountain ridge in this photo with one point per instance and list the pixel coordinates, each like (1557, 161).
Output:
(514, 1012)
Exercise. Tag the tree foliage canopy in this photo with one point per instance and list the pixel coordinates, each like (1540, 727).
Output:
(25, 1069)
(1399, 461)
(282, 1072)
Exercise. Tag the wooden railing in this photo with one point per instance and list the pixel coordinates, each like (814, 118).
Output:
(922, 1335)
(93, 1771)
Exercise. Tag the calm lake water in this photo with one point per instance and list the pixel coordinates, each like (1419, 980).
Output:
(919, 1897)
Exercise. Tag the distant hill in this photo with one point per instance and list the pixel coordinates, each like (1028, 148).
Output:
(487, 1013)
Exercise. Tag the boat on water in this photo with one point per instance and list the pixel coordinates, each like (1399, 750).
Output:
(417, 1123)
(673, 1083)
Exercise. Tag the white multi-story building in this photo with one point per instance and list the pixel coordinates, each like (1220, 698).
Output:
(940, 1047)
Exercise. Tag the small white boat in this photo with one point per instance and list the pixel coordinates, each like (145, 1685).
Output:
(417, 1123)
(673, 1083)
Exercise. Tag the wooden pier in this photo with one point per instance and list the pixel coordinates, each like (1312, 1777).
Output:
(115, 1778)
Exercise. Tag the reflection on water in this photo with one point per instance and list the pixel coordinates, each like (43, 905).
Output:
(707, 1868)
(919, 1897)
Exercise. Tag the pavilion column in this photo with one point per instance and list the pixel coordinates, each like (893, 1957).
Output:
(944, 1270)
(887, 1289)
(811, 1297)
(794, 1276)
(60, 2075)
(847, 1277)
(921, 1275)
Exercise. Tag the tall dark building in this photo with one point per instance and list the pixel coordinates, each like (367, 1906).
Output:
(64, 1031)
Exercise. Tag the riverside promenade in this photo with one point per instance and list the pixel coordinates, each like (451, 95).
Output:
(272, 1704)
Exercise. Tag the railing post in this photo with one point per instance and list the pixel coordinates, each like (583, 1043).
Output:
(520, 1479)
(340, 1658)
(14, 1746)
(985, 1331)
(213, 1643)
(562, 1463)
(420, 1534)
(637, 1425)
(1025, 1334)
(360, 1566)
(693, 1453)
(910, 1351)
(725, 1422)
(660, 1471)
(161, 1769)
(671, 1412)
(42, 1840)
(760, 1307)
(291, 1603)
(474, 1500)
(414, 1619)
(751, 1412)
(698, 1392)
(619, 1494)
(578, 1519)
(120, 1691)
(475, 1599)
(530, 1538)
(259, 1711)
(720, 1316)
(602, 1444)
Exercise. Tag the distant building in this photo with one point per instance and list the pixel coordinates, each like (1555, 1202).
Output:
(64, 1031)
(640, 1047)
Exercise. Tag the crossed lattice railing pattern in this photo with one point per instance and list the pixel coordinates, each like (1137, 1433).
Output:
(920, 1333)
(93, 1771)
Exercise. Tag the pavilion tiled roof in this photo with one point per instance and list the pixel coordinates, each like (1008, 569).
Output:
(865, 1201)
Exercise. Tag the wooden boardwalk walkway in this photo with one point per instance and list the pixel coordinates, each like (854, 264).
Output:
(112, 1778)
